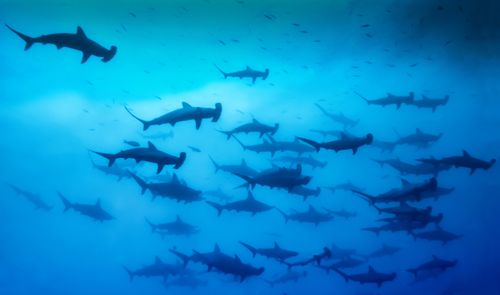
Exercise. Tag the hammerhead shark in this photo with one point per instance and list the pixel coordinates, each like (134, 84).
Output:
(246, 73)
(78, 41)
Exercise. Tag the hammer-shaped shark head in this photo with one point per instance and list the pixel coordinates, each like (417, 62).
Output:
(110, 54)
(491, 163)
(266, 74)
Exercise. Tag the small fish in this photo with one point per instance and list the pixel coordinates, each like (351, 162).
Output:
(222, 42)
(369, 35)
(194, 149)
(365, 25)
(132, 14)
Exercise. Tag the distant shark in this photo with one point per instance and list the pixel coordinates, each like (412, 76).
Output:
(430, 103)
(147, 154)
(93, 211)
(186, 113)
(78, 41)
(390, 99)
(246, 73)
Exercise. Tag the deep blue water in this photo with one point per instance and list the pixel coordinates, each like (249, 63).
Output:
(54, 110)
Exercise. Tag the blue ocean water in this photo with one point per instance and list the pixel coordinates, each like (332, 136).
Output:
(56, 110)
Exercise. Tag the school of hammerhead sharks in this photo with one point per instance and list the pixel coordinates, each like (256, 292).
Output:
(402, 215)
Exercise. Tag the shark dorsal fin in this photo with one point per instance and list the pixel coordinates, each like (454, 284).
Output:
(418, 131)
(248, 68)
(405, 183)
(425, 97)
(250, 196)
(237, 258)
(255, 121)
(158, 260)
(186, 105)
(265, 141)
(465, 153)
(276, 246)
(151, 146)
(343, 135)
(216, 248)
(98, 203)
(370, 269)
(178, 218)
(243, 162)
(175, 179)
(80, 32)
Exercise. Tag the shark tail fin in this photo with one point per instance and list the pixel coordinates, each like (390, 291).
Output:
(152, 225)
(145, 123)
(241, 143)
(111, 157)
(67, 204)
(227, 133)
(217, 207)
(250, 248)
(343, 274)
(221, 71)
(140, 181)
(248, 179)
(216, 165)
(369, 198)
(362, 97)
(312, 143)
(29, 40)
(183, 257)
(129, 272)
(284, 215)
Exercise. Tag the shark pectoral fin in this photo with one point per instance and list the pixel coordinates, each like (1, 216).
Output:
(253, 79)
(160, 168)
(85, 57)
(198, 123)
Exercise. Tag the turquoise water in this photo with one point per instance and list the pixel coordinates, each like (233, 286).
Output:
(54, 110)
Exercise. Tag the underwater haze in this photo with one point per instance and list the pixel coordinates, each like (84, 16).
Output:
(249, 147)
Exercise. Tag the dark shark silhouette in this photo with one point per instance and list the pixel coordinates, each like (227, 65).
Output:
(250, 204)
(253, 127)
(372, 276)
(177, 227)
(278, 177)
(186, 113)
(33, 198)
(242, 168)
(246, 73)
(173, 189)
(157, 269)
(310, 161)
(310, 216)
(94, 211)
(149, 154)
(339, 118)
(437, 234)
(430, 103)
(463, 161)
(419, 139)
(390, 99)
(276, 252)
(344, 143)
(78, 41)
(434, 263)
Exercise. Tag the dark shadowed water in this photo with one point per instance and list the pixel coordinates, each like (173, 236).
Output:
(54, 110)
